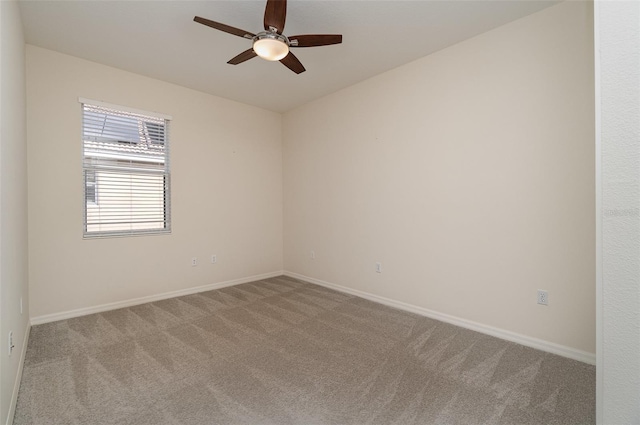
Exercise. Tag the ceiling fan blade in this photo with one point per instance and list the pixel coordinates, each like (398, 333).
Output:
(242, 57)
(312, 40)
(275, 15)
(224, 28)
(292, 62)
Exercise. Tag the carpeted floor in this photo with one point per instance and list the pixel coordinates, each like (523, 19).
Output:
(282, 351)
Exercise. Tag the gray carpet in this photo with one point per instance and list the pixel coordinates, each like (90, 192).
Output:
(282, 351)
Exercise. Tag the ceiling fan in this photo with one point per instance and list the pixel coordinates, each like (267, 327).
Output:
(271, 44)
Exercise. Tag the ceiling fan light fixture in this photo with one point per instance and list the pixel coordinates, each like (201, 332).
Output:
(271, 44)
(271, 47)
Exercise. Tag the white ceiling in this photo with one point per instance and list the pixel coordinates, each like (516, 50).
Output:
(159, 39)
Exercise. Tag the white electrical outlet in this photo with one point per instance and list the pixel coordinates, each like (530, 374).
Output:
(543, 297)
(313, 255)
(214, 259)
(194, 262)
(378, 267)
(11, 346)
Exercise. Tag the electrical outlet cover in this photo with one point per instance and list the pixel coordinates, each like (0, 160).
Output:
(543, 297)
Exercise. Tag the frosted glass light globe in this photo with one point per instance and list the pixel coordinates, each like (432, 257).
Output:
(270, 49)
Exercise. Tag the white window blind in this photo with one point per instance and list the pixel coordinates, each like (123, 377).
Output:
(126, 172)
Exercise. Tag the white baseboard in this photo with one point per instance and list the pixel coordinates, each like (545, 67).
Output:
(16, 385)
(142, 300)
(528, 341)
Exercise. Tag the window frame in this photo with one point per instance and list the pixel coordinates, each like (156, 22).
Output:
(166, 174)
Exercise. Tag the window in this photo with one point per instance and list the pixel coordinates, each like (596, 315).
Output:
(126, 171)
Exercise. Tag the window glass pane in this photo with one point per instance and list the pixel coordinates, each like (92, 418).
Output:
(90, 187)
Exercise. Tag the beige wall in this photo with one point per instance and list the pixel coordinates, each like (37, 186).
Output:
(226, 164)
(468, 173)
(13, 202)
